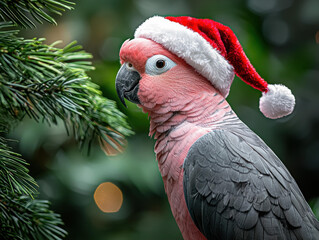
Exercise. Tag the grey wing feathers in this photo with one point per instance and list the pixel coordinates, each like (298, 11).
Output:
(236, 188)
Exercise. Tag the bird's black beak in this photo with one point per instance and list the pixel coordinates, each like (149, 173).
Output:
(127, 84)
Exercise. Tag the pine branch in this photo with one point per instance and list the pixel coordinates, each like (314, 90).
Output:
(47, 83)
(14, 177)
(24, 218)
(26, 12)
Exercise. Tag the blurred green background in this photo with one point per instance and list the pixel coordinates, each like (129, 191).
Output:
(280, 37)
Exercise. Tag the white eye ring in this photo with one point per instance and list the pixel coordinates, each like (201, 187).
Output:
(158, 64)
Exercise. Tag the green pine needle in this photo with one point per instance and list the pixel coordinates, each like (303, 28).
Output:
(14, 175)
(26, 12)
(47, 83)
(24, 218)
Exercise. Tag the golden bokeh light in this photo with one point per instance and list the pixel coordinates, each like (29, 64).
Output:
(108, 197)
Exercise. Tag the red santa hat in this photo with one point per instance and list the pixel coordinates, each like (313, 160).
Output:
(214, 51)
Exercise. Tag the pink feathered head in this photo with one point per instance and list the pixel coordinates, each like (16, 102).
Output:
(214, 51)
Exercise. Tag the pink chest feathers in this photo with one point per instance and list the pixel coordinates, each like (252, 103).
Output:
(171, 150)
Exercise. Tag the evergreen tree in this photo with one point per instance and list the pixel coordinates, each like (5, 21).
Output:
(45, 83)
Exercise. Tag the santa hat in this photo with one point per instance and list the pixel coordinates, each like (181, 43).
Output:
(214, 51)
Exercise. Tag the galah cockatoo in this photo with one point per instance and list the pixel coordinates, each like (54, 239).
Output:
(222, 181)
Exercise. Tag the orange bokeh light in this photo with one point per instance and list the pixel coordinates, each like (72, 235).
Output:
(108, 197)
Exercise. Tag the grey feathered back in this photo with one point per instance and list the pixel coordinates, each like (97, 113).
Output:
(237, 188)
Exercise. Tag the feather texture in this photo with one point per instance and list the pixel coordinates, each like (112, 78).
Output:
(232, 174)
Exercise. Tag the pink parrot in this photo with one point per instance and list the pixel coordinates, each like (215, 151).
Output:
(222, 181)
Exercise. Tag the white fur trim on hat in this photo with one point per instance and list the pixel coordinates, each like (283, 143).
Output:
(191, 47)
(277, 102)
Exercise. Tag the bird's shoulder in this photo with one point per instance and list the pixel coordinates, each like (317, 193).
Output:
(237, 188)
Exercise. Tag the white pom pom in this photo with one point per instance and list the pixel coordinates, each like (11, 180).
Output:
(277, 102)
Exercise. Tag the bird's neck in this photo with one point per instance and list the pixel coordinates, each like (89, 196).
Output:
(176, 125)
(205, 110)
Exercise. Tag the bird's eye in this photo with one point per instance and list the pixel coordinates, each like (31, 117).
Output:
(158, 64)
(130, 66)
